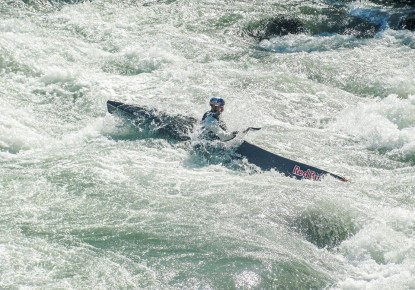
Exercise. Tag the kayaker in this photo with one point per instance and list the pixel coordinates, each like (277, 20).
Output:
(213, 128)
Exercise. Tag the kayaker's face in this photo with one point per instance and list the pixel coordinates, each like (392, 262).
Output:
(217, 109)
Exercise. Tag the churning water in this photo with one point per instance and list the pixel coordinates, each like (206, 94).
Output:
(88, 203)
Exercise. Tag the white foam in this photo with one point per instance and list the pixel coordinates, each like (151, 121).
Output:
(136, 60)
(383, 258)
(381, 124)
(306, 43)
(18, 130)
(53, 75)
(247, 280)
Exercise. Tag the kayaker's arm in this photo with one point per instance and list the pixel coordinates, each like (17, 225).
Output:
(212, 126)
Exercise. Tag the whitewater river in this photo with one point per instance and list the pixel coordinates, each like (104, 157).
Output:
(89, 203)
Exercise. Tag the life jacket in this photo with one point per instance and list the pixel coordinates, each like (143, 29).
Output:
(221, 124)
(209, 135)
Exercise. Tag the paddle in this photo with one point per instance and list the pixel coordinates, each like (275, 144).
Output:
(251, 129)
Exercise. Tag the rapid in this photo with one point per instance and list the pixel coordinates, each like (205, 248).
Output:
(89, 203)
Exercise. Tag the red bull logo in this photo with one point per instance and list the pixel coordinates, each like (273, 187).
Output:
(309, 174)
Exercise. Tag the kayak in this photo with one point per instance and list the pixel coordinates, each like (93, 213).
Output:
(270, 161)
(159, 124)
(179, 128)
